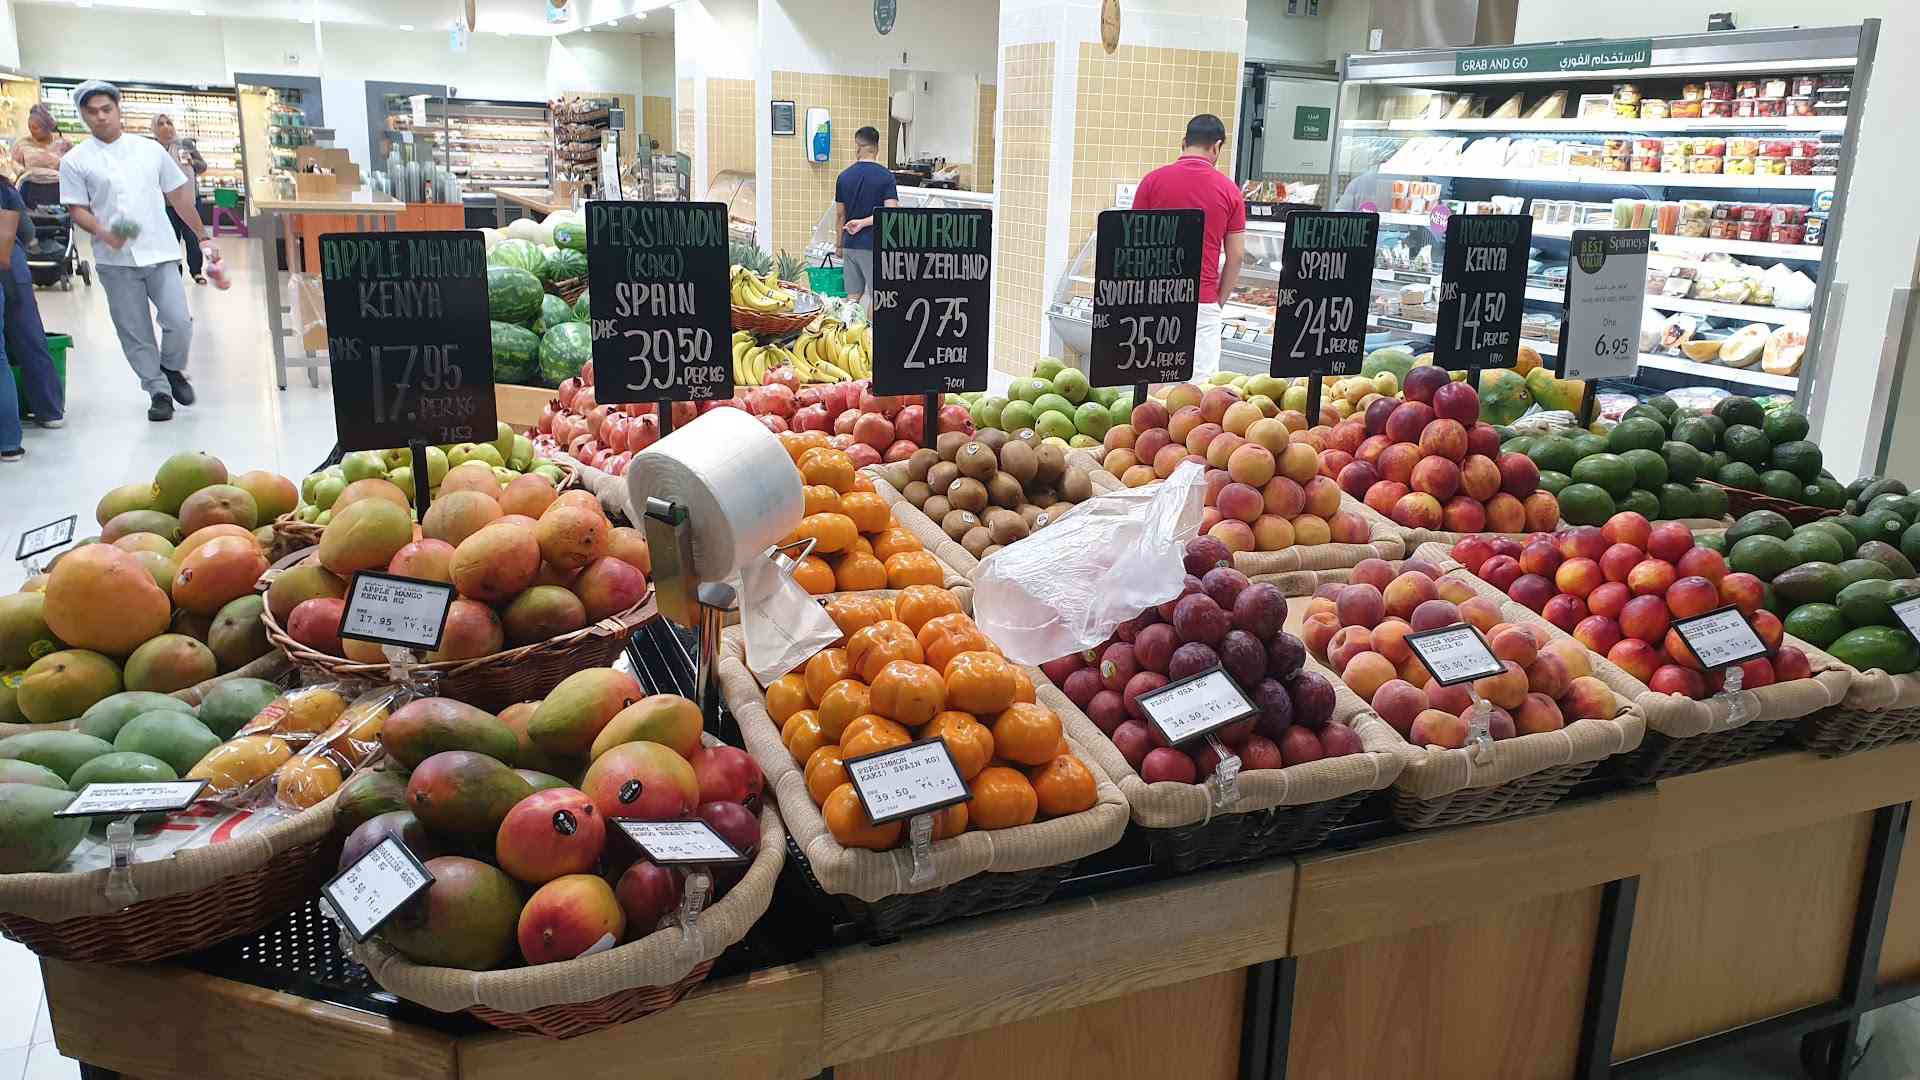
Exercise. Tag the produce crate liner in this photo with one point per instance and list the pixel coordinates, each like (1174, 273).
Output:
(875, 875)
(659, 959)
(1672, 714)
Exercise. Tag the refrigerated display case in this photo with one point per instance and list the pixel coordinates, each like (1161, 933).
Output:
(1733, 148)
(821, 245)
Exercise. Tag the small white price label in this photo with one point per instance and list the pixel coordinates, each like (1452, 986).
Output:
(1720, 638)
(669, 843)
(1196, 705)
(114, 800)
(1909, 613)
(45, 538)
(367, 893)
(1455, 654)
(394, 610)
(914, 779)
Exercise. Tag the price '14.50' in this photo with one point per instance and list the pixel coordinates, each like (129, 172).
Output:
(1481, 307)
(1321, 318)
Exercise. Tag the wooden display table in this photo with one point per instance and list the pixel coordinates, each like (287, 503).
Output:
(534, 200)
(360, 211)
(1613, 933)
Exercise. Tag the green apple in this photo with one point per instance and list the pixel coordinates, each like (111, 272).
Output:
(309, 513)
(1055, 425)
(325, 517)
(403, 478)
(1016, 415)
(522, 453)
(1047, 367)
(1028, 390)
(327, 490)
(1051, 402)
(306, 486)
(1083, 442)
(1120, 411)
(549, 470)
(487, 453)
(986, 411)
(396, 458)
(504, 475)
(503, 439)
(437, 465)
(1071, 383)
(362, 465)
(1092, 419)
(1295, 399)
(1222, 378)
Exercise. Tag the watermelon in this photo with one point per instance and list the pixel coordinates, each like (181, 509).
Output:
(513, 294)
(564, 351)
(565, 263)
(516, 354)
(553, 312)
(581, 309)
(571, 236)
(519, 253)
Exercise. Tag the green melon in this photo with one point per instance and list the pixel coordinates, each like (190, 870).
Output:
(513, 294)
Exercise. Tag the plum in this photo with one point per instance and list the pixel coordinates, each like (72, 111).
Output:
(1188, 588)
(1236, 734)
(1133, 740)
(1117, 665)
(1058, 670)
(1205, 553)
(1082, 685)
(1129, 630)
(1191, 659)
(1244, 658)
(1300, 745)
(1166, 763)
(1106, 710)
(1146, 682)
(1286, 655)
(1312, 699)
(1339, 740)
(1223, 584)
(1198, 618)
(1260, 753)
(1153, 646)
(1260, 610)
(1276, 708)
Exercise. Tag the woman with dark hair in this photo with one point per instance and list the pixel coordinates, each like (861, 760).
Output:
(39, 151)
(187, 155)
(25, 337)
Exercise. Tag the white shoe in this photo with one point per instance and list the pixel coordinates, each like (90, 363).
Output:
(51, 424)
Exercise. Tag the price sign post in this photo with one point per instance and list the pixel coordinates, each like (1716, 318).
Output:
(1326, 278)
(1483, 280)
(909, 782)
(45, 538)
(409, 342)
(124, 803)
(662, 316)
(1458, 654)
(379, 883)
(1723, 639)
(694, 845)
(1146, 297)
(1197, 707)
(1606, 296)
(932, 296)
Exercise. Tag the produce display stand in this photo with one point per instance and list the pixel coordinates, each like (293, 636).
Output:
(539, 201)
(358, 211)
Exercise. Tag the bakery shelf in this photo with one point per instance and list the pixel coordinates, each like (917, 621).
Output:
(1751, 376)
(1614, 178)
(1798, 320)
(1613, 125)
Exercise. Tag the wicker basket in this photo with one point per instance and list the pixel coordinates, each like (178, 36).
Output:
(1879, 710)
(1741, 501)
(569, 289)
(890, 917)
(779, 323)
(290, 534)
(497, 680)
(198, 898)
(1662, 756)
(1262, 834)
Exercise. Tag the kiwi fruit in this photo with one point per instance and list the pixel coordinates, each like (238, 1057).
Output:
(991, 548)
(993, 437)
(1057, 511)
(942, 476)
(1029, 436)
(977, 540)
(1004, 490)
(895, 474)
(1029, 512)
(958, 523)
(917, 493)
(1018, 460)
(936, 507)
(1050, 463)
(1006, 526)
(977, 460)
(949, 444)
(968, 494)
(1042, 495)
(922, 462)
(1076, 486)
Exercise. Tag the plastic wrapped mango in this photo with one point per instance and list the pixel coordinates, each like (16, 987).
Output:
(353, 740)
(239, 763)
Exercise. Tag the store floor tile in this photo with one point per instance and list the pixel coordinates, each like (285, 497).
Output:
(20, 995)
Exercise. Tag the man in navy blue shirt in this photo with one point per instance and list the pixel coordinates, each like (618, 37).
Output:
(865, 186)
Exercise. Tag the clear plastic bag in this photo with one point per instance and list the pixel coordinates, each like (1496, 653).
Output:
(352, 741)
(1066, 587)
(784, 625)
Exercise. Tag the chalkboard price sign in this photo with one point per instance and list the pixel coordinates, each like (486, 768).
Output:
(1146, 295)
(931, 299)
(662, 318)
(408, 337)
(1483, 280)
(1326, 277)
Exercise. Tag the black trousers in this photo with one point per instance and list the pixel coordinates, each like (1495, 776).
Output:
(193, 243)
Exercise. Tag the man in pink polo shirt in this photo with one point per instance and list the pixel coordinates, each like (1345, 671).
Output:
(1195, 182)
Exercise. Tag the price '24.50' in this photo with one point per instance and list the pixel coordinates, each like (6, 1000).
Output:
(1143, 332)
(953, 323)
(1320, 317)
(437, 373)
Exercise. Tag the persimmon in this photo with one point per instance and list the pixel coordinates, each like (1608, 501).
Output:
(868, 511)
(830, 533)
(944, 637)
(873, 647)
(855, 572)
(787, 695)
(950, 821)
(814, 575)
(981, 683)
(1002, 799)
(908, 693)
(1023, 733)
(802, 735)
(894, 541)
(1023, 686)
(819, 499)
(850, 613)
(827, 667)
(919, 604)
(847, 820)
(968, 739)
(1064, 785)
(906, 568)
(871, 734)
(825, 465)
(826, 769)
(797, 443)
(843, 701)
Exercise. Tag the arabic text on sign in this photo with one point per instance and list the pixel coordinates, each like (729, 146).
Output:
(1455, 655)
(103, 799)
(372, 889)
(1192, 707)
(680, 841)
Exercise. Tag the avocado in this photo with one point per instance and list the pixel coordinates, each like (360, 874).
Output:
(1587, 444)
(1910, 543)
(1649, 469)
(1870, 602)
(1859, 485)
(1683, 461)
(1640, 501)
(1862, 569)
(1553, 481)
(1785, 425)
(1840, 533)
(1677, 501)
(1755, 522)
(1821, 624)
(1799, 457)
(1519, 444)
(1826, 493)
(1608, 471)
(1892, 503)
(1636, 433)
(1585, 504)
(1882, 525)
(1715, 461)
(1781, 484)
(1748, 444)
(1738, 409)
(1553, 452)
(1886, 555)
(1711, 500)
(1879, 486)
(1647, 412)
(1712, 541)
(1809, 583)
(1739, 474)
(1909, 508)
(1697, 433)
(1812, 545)
(1864, 648)
(1761, 555)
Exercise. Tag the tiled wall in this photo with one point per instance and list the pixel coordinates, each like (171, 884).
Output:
(1020, 226)
(983, 140)
(1132, 109)
(657, 121)
(730, 126)
(803, 190)
(683, 134)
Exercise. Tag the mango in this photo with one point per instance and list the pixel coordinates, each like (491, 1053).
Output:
(496, 564)
(667, 719)
(62, 685)
(466, 919)
(122, 499)
(239, 634)
(420, 729)
(31, 838)
(224, 568)
(170, 662)
(219, 504)
(101, 598)
(122, 767)
(175, 738)
(61, 751)
(10, 697)
(165, 526)
(401, 825)
(526, 755)
(306, 780)
(567, 916)
(241, 762)
(365, 536)
(273, 494)
(576, 711)
(24, 636)
(542, 612)
(540, 781)
(308, 581)
(230, 703)
(367, 794)
(183, 474)
(26, 772)
(108, 715)
(463, 794)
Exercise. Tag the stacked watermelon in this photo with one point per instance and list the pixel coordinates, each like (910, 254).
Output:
(538, 338)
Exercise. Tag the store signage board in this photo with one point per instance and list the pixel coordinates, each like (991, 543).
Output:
(680, 843)
(1146, 295)
(918, 778)
(1311, 123)
(1455, 654)
(785, 118)
(1721, 638)
(393, 610)
(885, 13)
(1196, 706)
(1908, 611)
(1326, 278)
(379, 883)
(45, 538)
(1606, 298)
(118, 800)
(932, 299)
(662, 319)
(408, 337)
(1482, 284)
(1596, 55)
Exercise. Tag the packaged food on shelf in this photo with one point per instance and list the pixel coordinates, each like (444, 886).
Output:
(1746, 88)
(1805, 85)
(1653, 109)
(1693, 110)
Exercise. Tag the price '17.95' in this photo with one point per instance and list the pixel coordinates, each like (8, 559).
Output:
(436, 371)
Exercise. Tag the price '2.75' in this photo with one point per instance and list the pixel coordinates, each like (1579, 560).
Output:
(1142, 333)
(953, 323)
(435, 366)
(1320, 317)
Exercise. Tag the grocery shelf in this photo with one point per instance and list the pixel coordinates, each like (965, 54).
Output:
(1613, 124)
(1702, 245)
(1799, 320)
(1427, 329)
(1630, 179)
(1750, 376)
(1415, 277)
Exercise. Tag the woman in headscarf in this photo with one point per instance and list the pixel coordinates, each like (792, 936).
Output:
(184, 152)
(24, 341)
(38, 152)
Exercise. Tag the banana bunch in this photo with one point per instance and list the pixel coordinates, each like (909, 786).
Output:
(760, 293)
(834, 350)
(752, 362)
